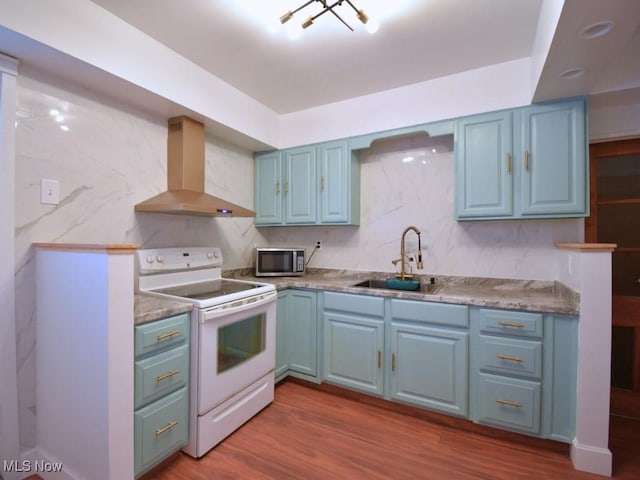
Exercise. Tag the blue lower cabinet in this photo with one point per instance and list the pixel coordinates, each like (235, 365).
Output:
(509, 402)
(161, 428)
(161, 390)
(508, 369)
(429, 367)
(523, 371)
(296, 335)
(354, 349)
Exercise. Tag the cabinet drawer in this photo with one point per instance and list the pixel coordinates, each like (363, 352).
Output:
(361, 304)
(429, 312)
(160, 374)
(154, 336)
(508, 322)
(160, 429)
(511, 356)
(509, 402)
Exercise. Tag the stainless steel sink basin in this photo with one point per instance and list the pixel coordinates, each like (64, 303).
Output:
(372, 284)
(382, 284)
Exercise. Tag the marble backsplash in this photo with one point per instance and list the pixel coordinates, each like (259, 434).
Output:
(111, 157)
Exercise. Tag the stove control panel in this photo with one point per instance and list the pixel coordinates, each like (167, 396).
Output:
(157, 260)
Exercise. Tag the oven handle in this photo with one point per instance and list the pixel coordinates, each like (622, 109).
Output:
(228, 308)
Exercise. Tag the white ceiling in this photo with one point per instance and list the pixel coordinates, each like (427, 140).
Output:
(417, 40)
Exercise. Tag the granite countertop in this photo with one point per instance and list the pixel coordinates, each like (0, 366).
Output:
(532, 295)
(149, 307)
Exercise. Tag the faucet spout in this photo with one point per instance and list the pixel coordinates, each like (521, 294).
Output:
(403, 271)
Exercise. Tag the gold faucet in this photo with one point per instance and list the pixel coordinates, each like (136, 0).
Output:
(403, 270)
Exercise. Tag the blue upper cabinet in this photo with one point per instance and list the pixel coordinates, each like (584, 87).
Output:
(484, 172)
(524, 163)
(554, 160)
(309, 185)
(339, 184)
(300, 185)
(268, 188)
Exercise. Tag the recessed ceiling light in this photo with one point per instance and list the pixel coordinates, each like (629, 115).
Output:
(596, 30)
(572, 73)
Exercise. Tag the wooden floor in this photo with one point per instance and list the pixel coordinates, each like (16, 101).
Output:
(310, 434)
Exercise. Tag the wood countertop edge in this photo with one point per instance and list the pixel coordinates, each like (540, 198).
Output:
(588, 247)
(112, 248)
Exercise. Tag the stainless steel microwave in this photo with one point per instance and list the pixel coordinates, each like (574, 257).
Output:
(279, 262)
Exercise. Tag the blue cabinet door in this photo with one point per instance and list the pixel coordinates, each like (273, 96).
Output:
(335, 172)
(282, 334)
(300, 191)
(354, 349)
(268, 188)
(296, 334)
(302, 332)
(484, 184)
(554, 161)
(429, 367)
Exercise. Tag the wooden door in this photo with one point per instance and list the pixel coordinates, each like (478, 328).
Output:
(615, 218)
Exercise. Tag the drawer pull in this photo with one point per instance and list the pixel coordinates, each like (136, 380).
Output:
(379, 359)
(393, 362)
(510, 403)
(510, 358)
(164, 336)
(510, 324)
(166, 428)
(170, 374)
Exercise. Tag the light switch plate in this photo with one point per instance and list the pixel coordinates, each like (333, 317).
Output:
(49, 192)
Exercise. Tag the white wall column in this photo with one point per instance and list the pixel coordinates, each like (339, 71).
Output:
(9, 430)
(590, 450)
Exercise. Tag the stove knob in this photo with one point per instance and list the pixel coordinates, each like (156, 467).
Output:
(160, 258)
(149, 258)
(209, 255)
(216, 253)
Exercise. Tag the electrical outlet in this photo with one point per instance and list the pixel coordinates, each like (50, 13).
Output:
(49, 192)
(318, 244)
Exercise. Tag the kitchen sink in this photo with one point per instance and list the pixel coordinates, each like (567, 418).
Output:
(396, 284)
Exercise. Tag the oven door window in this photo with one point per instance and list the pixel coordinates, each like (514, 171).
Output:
(240, 341)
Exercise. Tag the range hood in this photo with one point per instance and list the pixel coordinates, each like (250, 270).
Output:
(185, 177)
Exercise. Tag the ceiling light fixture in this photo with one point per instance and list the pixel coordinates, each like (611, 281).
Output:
(596, 30)
(326, 8)
(572, 73)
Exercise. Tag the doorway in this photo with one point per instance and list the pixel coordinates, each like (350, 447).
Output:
(615, 218)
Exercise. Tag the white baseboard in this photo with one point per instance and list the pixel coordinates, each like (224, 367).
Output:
(36, 461)
(591, 459)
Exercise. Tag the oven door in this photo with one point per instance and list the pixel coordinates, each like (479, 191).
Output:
(237, 347)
